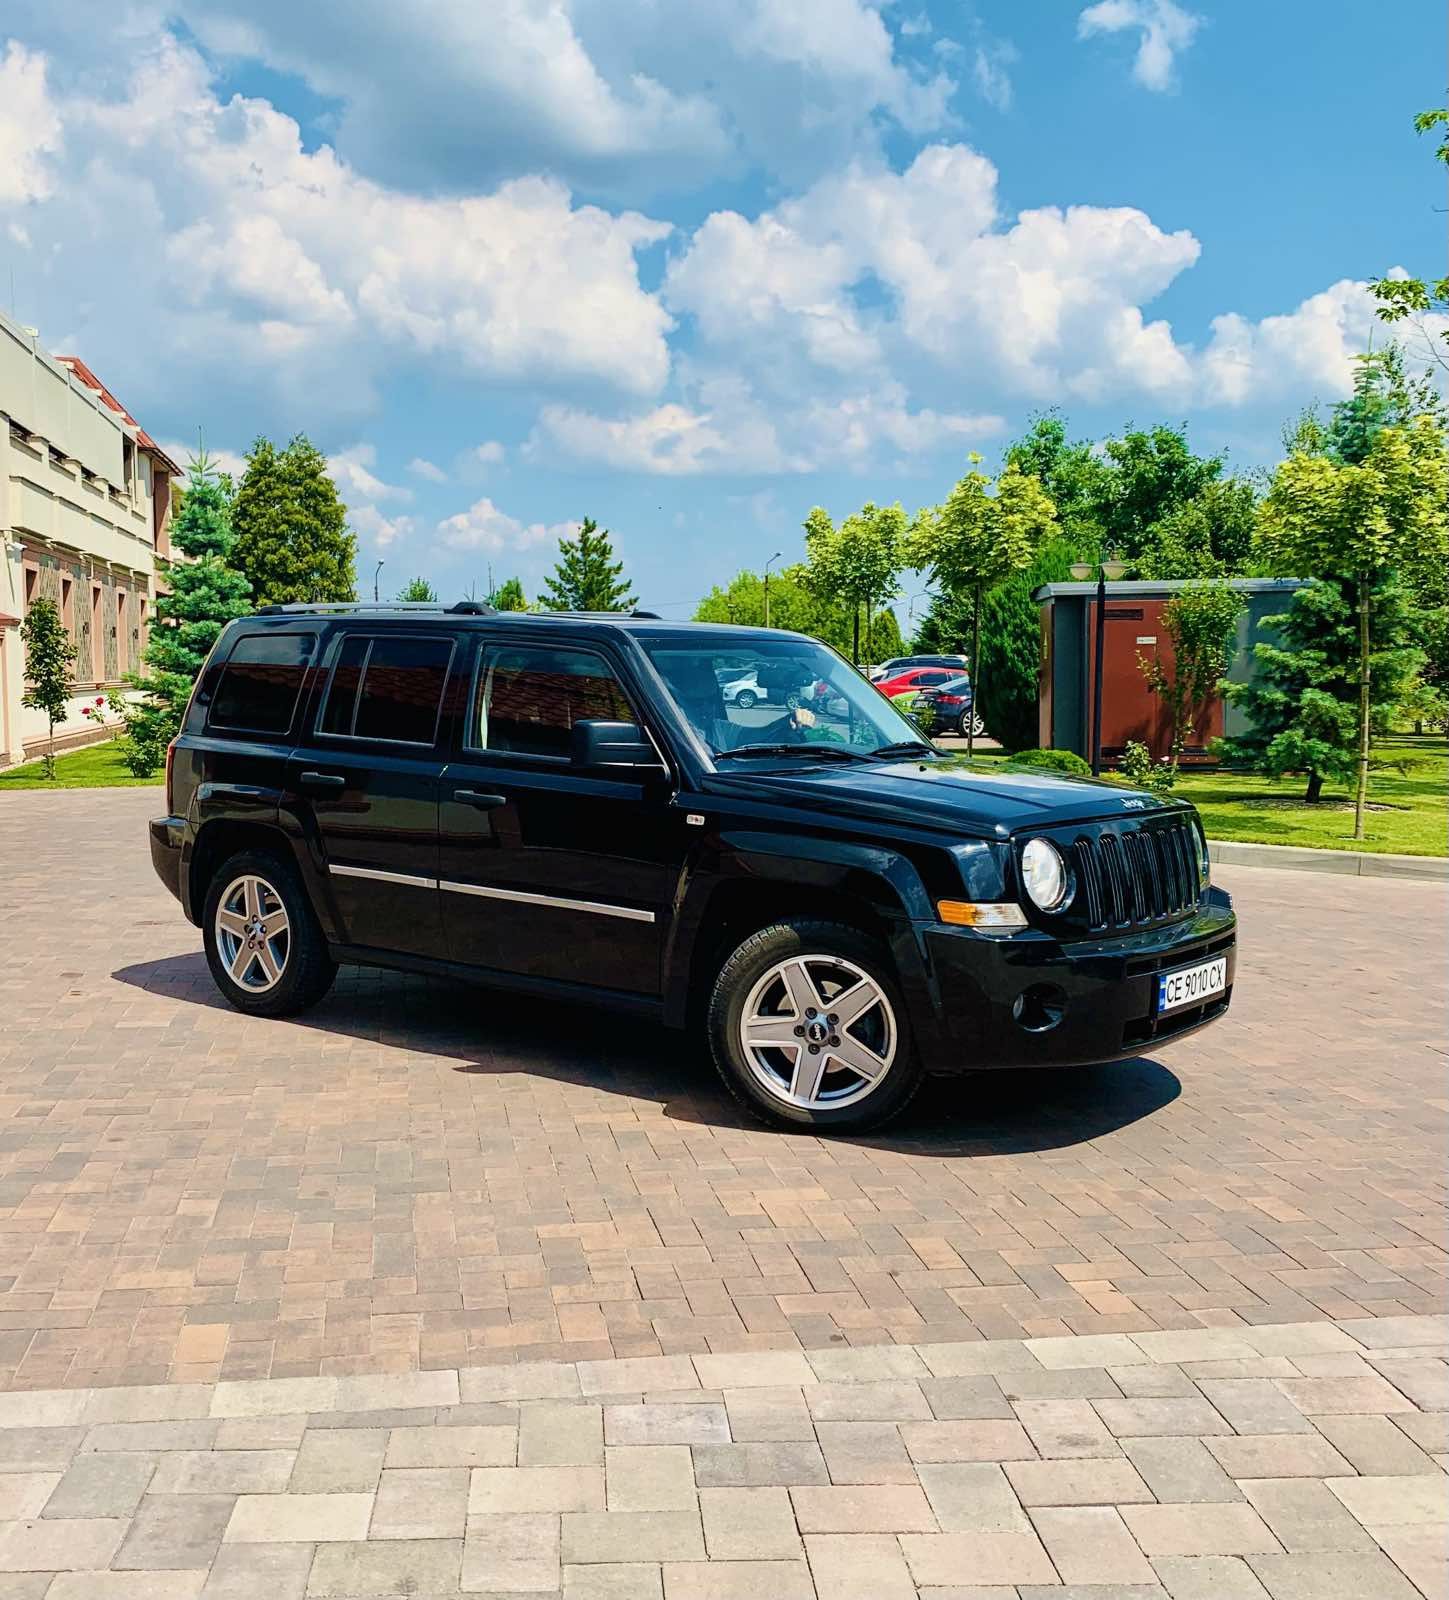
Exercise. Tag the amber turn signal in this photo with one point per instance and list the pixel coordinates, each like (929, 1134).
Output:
(998, 915)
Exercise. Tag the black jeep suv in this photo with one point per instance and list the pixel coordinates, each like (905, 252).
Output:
(566, 805)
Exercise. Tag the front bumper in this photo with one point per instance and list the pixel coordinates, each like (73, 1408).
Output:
(167, 834)
(1105, 991)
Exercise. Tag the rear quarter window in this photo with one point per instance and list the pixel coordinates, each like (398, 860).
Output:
(260, 682)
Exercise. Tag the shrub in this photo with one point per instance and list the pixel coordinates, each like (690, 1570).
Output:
(1143, 772)
(1067, 761)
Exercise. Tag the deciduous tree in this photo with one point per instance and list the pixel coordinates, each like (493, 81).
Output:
(857, 564)
(1389, 513)
(49, 669)
(416, 591)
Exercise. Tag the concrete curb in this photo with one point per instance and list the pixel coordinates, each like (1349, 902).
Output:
(1352, 863)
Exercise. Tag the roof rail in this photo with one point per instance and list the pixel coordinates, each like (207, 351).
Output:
(476, 608)
(600, 616)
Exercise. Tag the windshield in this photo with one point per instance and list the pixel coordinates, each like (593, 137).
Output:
(778, 698)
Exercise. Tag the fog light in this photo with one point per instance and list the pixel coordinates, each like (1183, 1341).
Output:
(1040, 1008)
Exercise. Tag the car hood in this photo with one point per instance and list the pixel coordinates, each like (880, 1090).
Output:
(953, 794)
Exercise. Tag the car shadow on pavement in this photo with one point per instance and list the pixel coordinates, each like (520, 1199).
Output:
(495, 1032)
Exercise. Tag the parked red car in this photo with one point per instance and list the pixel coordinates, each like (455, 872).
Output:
(916, 678)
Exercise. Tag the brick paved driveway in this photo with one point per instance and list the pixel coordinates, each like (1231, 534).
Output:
(426, 1176)
(1292, 1461)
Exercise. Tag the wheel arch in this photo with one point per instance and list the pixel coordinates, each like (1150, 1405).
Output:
(218, 841)
(758, 881)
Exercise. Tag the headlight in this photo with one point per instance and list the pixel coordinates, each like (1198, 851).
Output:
(1045, 874)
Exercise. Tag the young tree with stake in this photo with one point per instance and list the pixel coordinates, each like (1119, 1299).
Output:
(1388, 513)
(49, 660)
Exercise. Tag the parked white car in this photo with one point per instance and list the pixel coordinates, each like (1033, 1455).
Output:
(743, 692)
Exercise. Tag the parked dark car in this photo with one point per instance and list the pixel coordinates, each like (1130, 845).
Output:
(899, 664)
(565, 806)
(949, 706)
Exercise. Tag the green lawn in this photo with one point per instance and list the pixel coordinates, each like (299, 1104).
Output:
(1412, 818)
(1408, 814)
(97, 766)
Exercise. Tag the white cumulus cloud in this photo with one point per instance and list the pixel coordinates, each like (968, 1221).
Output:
(30, 127)
(351, 470)
(1165, 30)
(1047, 304)
(421, 467)
(483, 526)
(278, 264)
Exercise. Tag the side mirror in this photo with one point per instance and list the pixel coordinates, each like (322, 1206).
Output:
(612, 744)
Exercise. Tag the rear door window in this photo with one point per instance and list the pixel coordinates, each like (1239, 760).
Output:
(260, 682)
(387, 687)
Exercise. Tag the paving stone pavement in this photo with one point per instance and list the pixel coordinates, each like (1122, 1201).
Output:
(1121, 1467)
(424, 1177)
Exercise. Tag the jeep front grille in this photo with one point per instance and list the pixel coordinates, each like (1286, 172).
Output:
(1133, 876)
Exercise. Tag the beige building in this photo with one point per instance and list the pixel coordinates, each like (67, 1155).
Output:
(85, 503)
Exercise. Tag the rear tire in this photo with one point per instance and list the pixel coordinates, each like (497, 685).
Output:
(808, 1028)
(265, 949)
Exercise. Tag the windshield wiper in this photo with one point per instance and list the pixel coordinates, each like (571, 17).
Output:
(905, 747)
(837, 752)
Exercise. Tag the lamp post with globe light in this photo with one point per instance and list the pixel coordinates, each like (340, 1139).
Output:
(1111, 569)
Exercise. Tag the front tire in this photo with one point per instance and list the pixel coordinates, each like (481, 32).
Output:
(266, 952)
(745, 700)
(808, 1028)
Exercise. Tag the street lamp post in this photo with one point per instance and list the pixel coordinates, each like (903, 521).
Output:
(375, 571)
(1082, 572)
(768, 565)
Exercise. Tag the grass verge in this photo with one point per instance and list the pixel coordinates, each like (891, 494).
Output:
(95, 766)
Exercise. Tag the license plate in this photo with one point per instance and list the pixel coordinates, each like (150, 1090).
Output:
(1190, 986)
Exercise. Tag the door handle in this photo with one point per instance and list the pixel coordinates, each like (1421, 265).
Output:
(483, 802)
(322, 780)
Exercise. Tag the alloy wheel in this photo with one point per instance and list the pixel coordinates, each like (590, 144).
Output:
(253, 933)
(818, 1032)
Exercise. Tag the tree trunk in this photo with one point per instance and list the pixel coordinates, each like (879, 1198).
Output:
(1315, 789)
(975, 656)
(1360, 800)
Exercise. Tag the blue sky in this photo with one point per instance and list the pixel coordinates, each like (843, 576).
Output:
(692, 270)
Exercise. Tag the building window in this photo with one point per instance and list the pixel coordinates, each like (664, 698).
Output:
(98, 648)
(67, 608)
(121, 639)
(32, 586)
